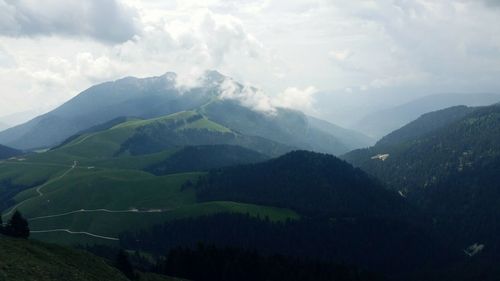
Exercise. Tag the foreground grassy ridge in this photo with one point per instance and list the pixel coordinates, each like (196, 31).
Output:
(22, 260)
(155, 198)
(95, 187)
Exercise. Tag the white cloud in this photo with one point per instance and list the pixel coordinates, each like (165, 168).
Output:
(247, 95)
(384, 52)
(199, 38)
(257, 99)
(95, 69)
(300, 99)
(105, 20)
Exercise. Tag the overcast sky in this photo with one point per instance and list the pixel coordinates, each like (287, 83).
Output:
(320, 56)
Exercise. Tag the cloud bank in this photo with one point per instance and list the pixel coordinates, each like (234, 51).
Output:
(105, 20)
(331, 58)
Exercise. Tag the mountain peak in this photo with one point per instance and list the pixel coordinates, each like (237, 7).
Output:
(169, 75)
(213, 75)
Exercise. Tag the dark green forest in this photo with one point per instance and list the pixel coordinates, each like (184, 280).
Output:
(310, 183)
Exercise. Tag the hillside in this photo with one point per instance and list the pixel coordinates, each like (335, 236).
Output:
(346, 216)
(146, 98)
(30, 260)
(425, 124)
(127, 174)
(381, 123)
(458, 138)
(7, 152)
(146, 136)
(307, 182)
(98, 184)
(204, 158)
(286, 126)
(81, 205)
(155, 97)
(451, 171)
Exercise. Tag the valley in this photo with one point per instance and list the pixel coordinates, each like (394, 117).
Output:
(249, 140)
(242, 180)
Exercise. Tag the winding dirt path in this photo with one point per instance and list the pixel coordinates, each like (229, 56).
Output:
(40, 194)
(39, 190)
(75, 232)
(101, 210)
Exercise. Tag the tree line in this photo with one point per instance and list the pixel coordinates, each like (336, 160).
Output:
(371, 243)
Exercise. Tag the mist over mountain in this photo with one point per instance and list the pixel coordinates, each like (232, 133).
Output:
(216, 96)
(149, 97)
(381, 123)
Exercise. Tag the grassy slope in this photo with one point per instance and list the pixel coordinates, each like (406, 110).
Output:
(116, 189)
(112, 225)
(28, 174)
(115, 183)
(30, 260)
(22, 260)
(111, 189)
(106, 143)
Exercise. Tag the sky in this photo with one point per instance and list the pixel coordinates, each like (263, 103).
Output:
(330, 58)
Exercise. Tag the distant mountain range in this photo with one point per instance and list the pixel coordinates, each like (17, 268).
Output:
(381, 123)
(159, 96)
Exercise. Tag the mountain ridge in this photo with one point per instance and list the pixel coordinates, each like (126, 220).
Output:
(380, 123)
(159, 96)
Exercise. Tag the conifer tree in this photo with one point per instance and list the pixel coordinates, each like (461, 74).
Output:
(17, 226)
(124, 265)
